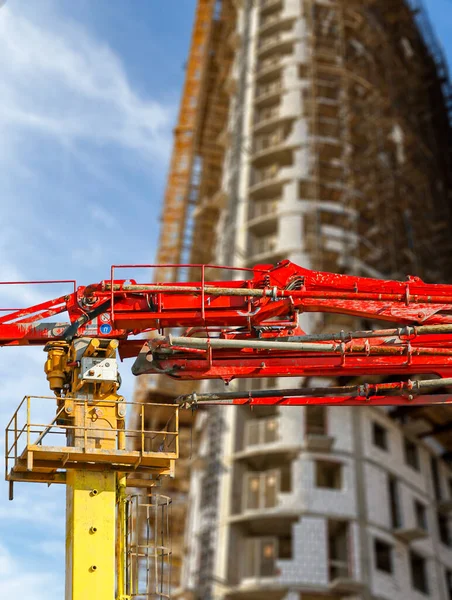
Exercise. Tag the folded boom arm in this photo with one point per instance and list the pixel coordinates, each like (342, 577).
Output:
(249, 328)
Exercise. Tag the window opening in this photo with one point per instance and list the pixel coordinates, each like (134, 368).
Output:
(436, 478)
(449, 583)
(328, 475)
(380, 436)
(394, 503)
(285, 548)
(443, 528)
(418, 567)
(383, 556)
(315, 420)
(420, 515)
(261, 490)
(411, 454)
(261, 431)
(260, 557)
(338, 550)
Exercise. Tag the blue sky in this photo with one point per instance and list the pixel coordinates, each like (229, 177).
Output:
(89, 91)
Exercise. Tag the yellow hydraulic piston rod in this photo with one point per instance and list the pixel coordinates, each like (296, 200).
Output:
(95, 554)
(121, 544)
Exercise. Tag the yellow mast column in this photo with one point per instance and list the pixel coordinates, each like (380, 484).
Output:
(90, 535)
(96, 414)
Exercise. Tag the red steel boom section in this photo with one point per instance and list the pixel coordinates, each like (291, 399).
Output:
(249, 328)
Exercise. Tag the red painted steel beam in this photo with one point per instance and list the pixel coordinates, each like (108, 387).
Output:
(267, 365)
(252, 312)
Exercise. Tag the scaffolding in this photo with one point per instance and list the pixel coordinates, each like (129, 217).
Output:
(379, 140)
(214, 137)
(375, 147)
(181, 191)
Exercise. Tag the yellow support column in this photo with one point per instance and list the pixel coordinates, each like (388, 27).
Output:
(90, 535)
(95, 462)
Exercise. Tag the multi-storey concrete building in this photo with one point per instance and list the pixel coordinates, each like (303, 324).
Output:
(322, 136)
(318, 503)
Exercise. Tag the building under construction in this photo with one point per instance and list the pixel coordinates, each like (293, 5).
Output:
(318, 131)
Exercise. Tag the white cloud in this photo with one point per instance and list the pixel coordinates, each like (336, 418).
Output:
(81, 149)
(61, 83)
(74, 131)
(102, 216)
(45, 510)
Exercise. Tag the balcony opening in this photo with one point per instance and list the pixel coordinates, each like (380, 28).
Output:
(272, 173)
(268, 113)
(316, 434)
(316, 422)
(274, 86)
(261, 490)
(274, 144)
(265, 244)
(273, 21)
(380, 436)
(274, 42)
(271, 486)
(394, 503)
(383, 556)
(420, 513)
(411, 454)
(338, 549)
(416, 530)
(328, 475)
(262, 220)
(261, 555)
(444, 531)
(267, 5)
(267, 66)
(418, 568)
(261, 431)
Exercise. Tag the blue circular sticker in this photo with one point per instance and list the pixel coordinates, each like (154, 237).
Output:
(105, 328)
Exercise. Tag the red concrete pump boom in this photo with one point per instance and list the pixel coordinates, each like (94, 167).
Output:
(246, 328)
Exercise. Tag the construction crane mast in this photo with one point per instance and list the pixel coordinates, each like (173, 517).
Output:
(228, 329)
(190, 205)
(178, 195)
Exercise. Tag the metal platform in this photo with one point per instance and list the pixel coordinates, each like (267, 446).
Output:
(28, 459)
